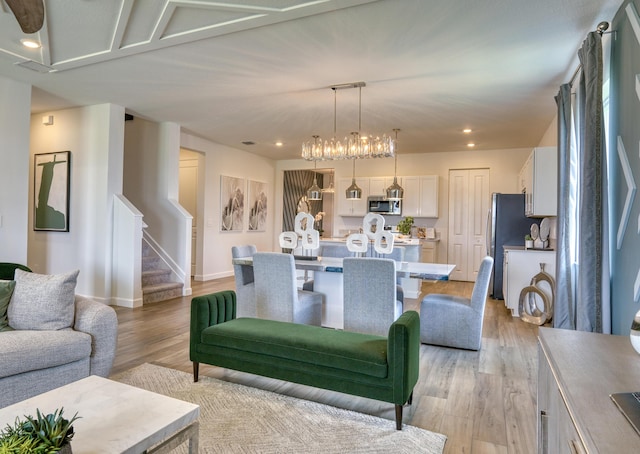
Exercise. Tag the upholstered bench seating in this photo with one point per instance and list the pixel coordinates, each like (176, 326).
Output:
(381, 368)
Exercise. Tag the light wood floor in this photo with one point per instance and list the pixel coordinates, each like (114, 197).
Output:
(483, 401)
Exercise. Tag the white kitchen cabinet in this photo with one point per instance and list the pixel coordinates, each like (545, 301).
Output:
(577, 371)
(379, 185)
(352, 207)
(539, 182)
(420, 196)
(430, 251)
(520, 265)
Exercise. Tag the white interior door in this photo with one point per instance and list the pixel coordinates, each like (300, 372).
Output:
(468, 204)
(458, 223)
(188, 198)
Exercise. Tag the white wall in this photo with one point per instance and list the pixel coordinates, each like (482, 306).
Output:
(504, 166)
(550, 137)
(94, 136)
(151, 176)
(214, 245)
(15, 117)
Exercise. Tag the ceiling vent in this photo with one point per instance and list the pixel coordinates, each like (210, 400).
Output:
(248, 142)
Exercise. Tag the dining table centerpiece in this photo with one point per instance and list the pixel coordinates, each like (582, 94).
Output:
(42, 434)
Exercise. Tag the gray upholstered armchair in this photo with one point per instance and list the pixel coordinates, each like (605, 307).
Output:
(453, 321)
(34, 360)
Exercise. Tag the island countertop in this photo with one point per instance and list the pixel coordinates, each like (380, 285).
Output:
(400, 242)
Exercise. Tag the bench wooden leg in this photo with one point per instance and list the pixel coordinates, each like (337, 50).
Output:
(196, 370)
(398, 417)
(410, 398)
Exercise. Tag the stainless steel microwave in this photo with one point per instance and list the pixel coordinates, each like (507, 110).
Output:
(381, 205)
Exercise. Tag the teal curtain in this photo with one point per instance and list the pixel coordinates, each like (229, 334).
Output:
(582, 207)
(564, 312)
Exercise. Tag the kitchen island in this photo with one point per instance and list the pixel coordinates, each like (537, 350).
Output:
(336, 247)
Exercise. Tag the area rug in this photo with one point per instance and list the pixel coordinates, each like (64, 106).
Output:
(236, 418)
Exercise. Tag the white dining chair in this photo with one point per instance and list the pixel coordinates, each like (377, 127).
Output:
(370, 301)
(245, 285)
(277, 295)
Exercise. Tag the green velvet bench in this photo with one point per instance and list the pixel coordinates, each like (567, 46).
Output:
(364, 365)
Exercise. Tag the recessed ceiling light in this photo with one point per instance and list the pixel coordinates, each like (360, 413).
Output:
(467, 131)
(30, 43)
(471, 144)
(279, 144)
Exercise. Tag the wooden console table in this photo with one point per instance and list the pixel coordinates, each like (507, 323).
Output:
(577, 372)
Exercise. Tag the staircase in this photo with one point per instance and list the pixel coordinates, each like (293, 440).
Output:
(156, 278)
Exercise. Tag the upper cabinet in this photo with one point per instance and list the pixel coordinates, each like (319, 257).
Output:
(352, 207)
(379, 185)
(538, 180)
(420, 196)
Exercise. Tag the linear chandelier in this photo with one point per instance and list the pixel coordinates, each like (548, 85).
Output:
(357, 146)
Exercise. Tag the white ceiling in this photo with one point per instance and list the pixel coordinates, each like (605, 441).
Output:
(260, 70)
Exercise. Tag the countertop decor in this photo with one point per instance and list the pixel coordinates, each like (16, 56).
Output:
(404, 226)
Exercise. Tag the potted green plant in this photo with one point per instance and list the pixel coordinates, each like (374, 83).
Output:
(404, 226)
(528, 242)
(40, 435)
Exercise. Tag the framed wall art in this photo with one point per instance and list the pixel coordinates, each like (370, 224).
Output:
(51, 191)
(231, 203)
(257, 203)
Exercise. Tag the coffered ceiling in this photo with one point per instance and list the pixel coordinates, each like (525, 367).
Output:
(260, 70)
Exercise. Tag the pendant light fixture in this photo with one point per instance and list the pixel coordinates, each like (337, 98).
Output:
(330, 189)
(354, 192)
(358, 147)
(395, 191)
(314, 192)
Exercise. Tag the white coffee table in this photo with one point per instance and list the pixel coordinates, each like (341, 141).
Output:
(115, 418)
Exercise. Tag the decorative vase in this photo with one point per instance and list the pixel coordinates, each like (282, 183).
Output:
(528, 244)
(65, 449)
(634, 334)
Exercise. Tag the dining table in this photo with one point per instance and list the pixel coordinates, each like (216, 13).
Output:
(327, 275)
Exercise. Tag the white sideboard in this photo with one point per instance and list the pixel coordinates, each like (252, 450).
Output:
(520, 265)
(577, 371)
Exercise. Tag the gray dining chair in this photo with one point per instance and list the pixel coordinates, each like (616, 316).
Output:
(341, 251)
(245, 285)
(370, 301)
(454, 321)
(277, 295)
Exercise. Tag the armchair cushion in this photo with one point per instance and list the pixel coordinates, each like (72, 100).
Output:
(6, 290)
(42, 302)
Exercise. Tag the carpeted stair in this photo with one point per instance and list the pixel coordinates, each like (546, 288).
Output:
(156, 278)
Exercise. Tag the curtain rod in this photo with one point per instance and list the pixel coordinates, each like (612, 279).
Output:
(601, 29)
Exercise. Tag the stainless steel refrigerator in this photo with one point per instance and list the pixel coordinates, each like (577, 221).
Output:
(506, 226)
